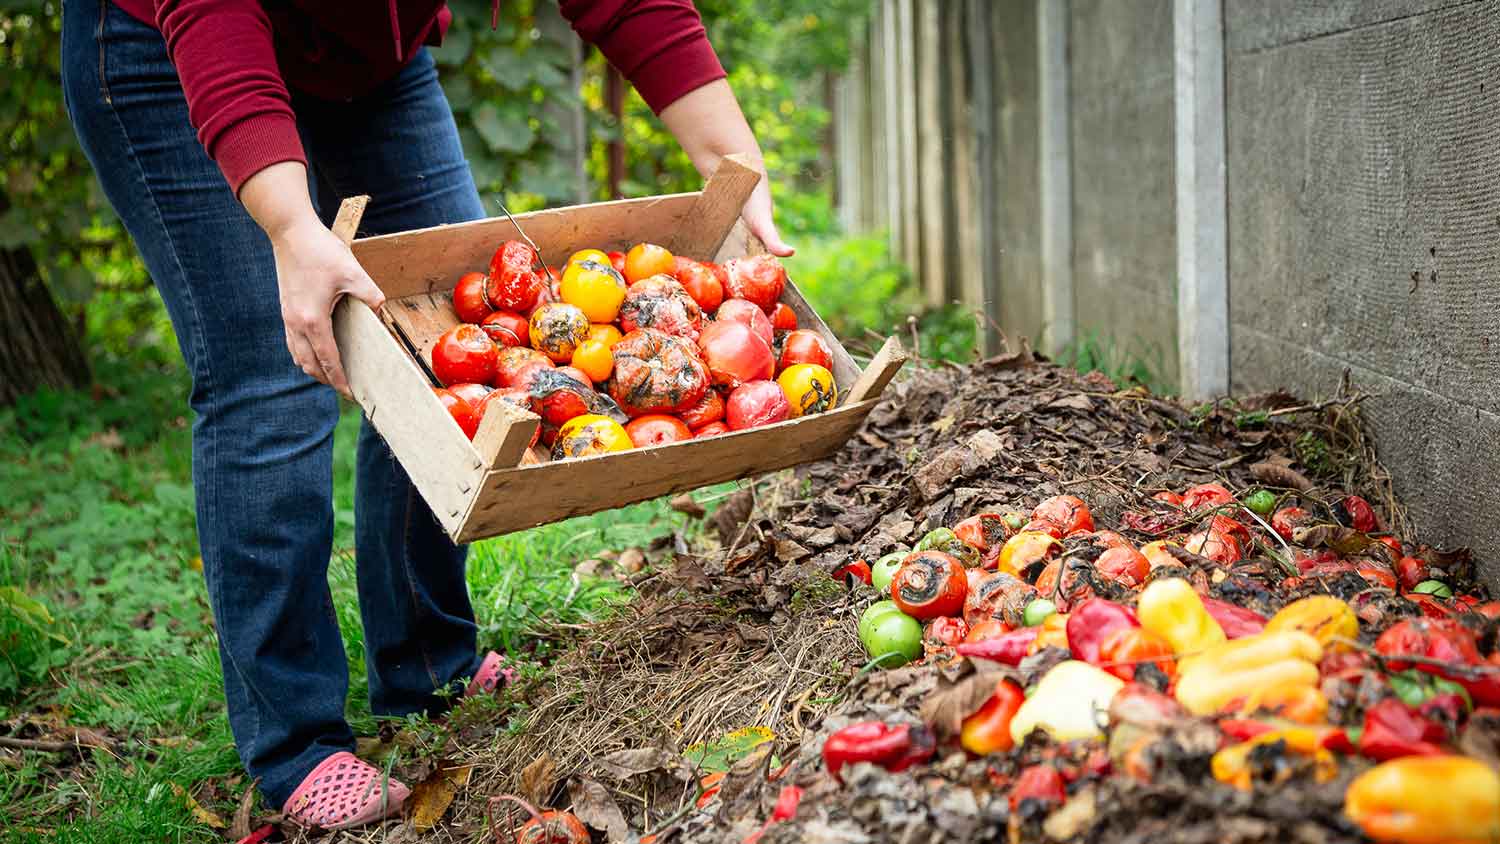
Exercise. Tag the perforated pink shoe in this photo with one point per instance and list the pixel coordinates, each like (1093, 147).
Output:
(492, 674)
(344, 791)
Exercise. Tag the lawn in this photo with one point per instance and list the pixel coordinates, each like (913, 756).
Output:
(104, 621)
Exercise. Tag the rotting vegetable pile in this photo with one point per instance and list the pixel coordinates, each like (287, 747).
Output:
(639, 726)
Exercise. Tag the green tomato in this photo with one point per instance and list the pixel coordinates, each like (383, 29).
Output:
(1038, 611)
(937, 539)
(894, 637)
(884, 570)
(1261, 502)
(1435, 588)
(1411, 687)
(1444, 686)
(873, 612)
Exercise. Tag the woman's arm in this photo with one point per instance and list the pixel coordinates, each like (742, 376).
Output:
(313, 268)
(707, 121)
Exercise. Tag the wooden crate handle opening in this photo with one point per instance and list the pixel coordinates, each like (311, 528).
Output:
(883, 367)
(347, 221)
(716, 209)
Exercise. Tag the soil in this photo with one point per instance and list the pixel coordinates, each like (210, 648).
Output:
(750, 630)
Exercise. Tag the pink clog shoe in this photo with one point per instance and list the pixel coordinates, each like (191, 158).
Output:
(344, 791)
(492, 674)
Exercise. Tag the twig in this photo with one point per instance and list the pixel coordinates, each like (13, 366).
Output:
(1468, 671)
(1318, 406)
(36, 744)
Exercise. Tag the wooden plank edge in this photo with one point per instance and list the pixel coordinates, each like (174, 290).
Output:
(504, 434)
(717, 208)
(883, 367)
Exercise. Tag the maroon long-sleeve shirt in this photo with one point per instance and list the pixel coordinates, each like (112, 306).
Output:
(237, 59)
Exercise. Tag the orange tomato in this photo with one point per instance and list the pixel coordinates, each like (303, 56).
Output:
(809, 388)
(594, 359)
(645, 260)
(604, 333)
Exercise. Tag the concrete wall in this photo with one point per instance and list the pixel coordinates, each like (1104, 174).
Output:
(1124, 217)
(1363, 152)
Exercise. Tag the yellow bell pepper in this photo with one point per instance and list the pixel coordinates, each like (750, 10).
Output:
(1069, 702)
(1254, 665)
(1302, 704)
(1172, 610)
(1427, 800)
(1232, 764)
(1323, 616)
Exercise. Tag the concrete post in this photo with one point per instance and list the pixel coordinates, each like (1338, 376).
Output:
(1056, 175)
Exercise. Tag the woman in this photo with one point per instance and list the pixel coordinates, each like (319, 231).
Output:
(225, 132)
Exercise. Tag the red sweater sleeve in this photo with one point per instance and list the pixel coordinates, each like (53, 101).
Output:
(659, 45)
(226, 59)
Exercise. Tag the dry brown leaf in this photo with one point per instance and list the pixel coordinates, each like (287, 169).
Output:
(624, 764)
(200, 814)
(430, 798)
(539, 779)
(240, 828)
(688, 506)
(593, 805)
(1274, 474)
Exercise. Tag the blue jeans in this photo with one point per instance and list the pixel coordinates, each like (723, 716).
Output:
(263, 430)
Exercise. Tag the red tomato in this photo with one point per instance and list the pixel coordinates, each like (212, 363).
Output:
(558, 395)
(465, 353)
(759, 278)
(930, 584)
(1124, 565)
(700, 283)
(783, 318)
(754, 404)
(512, 360)
(982, 531)
(617, 260)
(1206, 495)
(514, 282)
(1376, 574)
(657, 429)
(510, 395)
(469, 301)
(1066, 510)
(1226, 525)
(507, 328)
(461, 411)
(1220, 547)
(709, 409)
(1410, 571)
(526, 377)
(741, 311)
(1047, 526)
(803, 345)
(735, 354)
(660, 303)
(1171, 498)
(712, 429)
(1285, 520)
(1353, 511)
(656, 373)
(1392, 543)
(471, 393)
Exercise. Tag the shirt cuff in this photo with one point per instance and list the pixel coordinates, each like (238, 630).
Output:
(255, 143)
(680, 69)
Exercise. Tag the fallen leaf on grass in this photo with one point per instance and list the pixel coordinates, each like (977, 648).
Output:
(688, 506)
(538, 779)
(593, 805)
(240, 828)
(200, 814)
(430, 798)
(722, 752)
(624, 764)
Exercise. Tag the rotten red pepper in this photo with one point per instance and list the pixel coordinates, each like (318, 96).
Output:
(1007, 648)
(1237, 622)
(1091, 622)
(894, 747)
(1392, 730)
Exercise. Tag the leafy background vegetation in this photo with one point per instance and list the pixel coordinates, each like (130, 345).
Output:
(104, 624)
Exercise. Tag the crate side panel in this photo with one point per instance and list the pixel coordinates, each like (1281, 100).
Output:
(515, 499)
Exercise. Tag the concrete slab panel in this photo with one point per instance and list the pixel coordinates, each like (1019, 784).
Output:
(1363, 209)
(1124, 214)
(1261, 24)
(1440, 451)
(1016, 192)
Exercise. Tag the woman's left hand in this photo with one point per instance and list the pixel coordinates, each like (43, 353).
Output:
(759, 219)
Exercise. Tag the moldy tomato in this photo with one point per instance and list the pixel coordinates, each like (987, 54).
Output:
(656, 373)
(660, 303)
(589, 434)
(469, 301)
(512, 360)
(1206, 495)
(461, 411)
(657, 429)
(754, 404)
(595, 288)
(735, 354)
(805, 346)
(645, 260)
(465, 353)
(783, 318)
(558, 395)
(708, 409)
(557, 328)
(1124, 565)
(1287, 519)
(759, 278)
(1069, 511)
(469, 392)
(981, 531)
(700, 283)
(930, 584)
(514, 283)
(739, 310)
(507, 328)
(809, 388)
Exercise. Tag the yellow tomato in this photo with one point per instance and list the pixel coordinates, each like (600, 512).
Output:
(556, 330)
(604, 333)
(645, 260)
(1024, 549)
(590, 434)
(809, 388)
(598, 256)
(594, 359)
(595, 288)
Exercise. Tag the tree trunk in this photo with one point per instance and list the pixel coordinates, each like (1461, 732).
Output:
(614, 99)
(38, 346)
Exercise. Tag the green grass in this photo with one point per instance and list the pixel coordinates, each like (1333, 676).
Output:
(104, 622)
(1126, 364)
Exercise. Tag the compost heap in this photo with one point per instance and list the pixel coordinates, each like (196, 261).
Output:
(1077, 692)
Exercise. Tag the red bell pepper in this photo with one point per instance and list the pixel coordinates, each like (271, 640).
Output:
(1038, 782)
(1091, 622)
(1340, 741)
(1447, 641)
(1392, 730)
(894, 747)
(1237, 622)
(1008, 648)
(858, 570)
(1243, 729)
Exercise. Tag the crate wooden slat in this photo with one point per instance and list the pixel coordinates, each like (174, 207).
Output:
(494, 484)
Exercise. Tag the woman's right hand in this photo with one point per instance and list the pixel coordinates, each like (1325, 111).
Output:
(313, 268)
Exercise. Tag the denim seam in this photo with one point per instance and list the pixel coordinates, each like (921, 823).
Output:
(211, 447)
(411, 581)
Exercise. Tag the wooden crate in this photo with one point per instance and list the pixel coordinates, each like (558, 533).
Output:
(494, 484)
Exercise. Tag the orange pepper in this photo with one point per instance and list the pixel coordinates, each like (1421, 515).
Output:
(1054, 633)
(1302, 704)
(988, 729)
(1232, 764)
(1127, 647)
(1427, 800)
